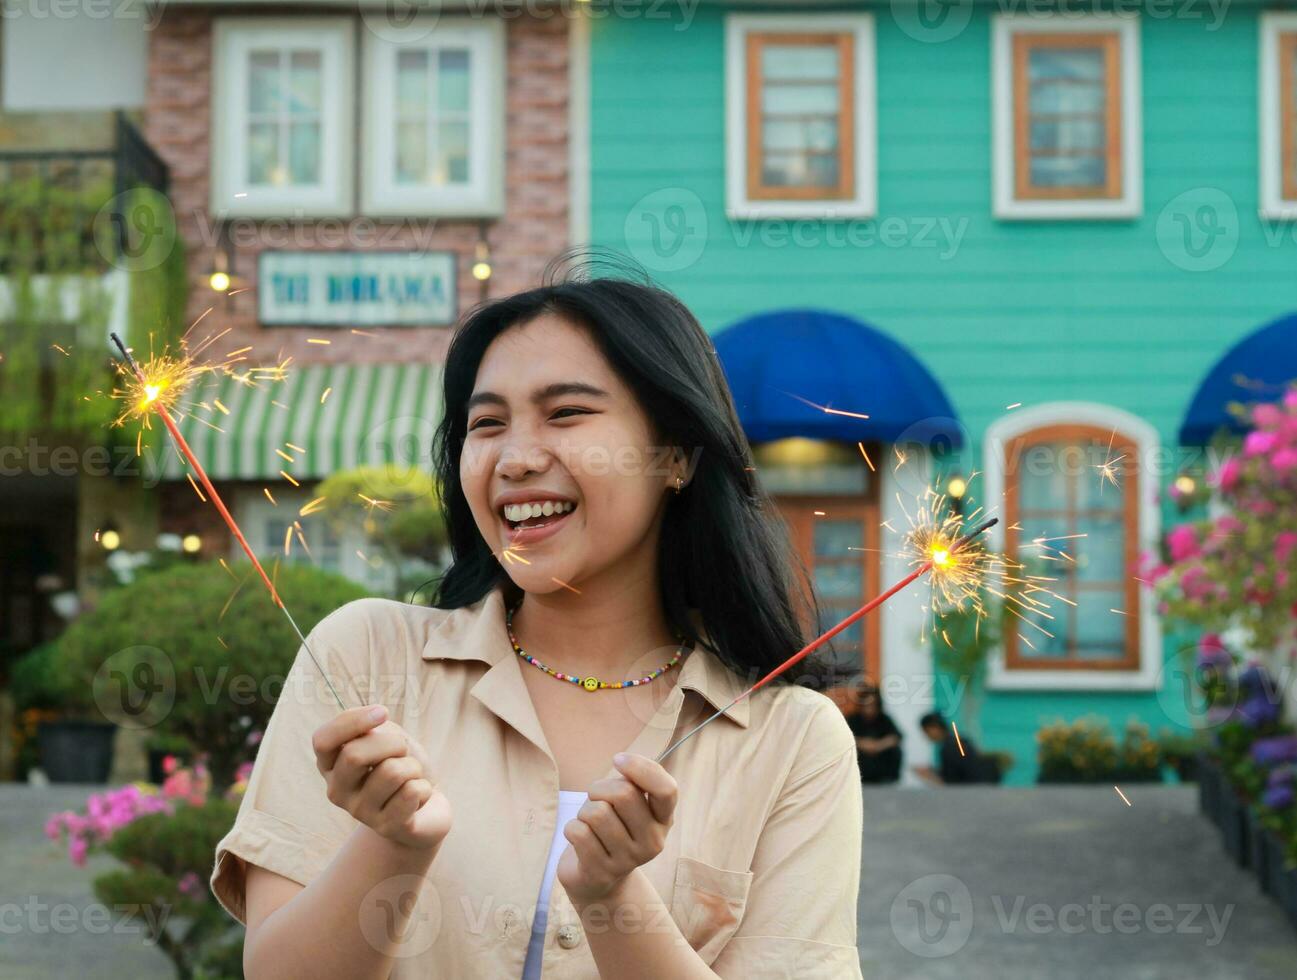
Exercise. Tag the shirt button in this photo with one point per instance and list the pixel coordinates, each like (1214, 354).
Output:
(569, 936)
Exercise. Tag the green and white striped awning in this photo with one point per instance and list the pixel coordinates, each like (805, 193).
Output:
(373, 414)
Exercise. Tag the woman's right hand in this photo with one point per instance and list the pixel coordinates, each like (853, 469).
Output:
(381, 776)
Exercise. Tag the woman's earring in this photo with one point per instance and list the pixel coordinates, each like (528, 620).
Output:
(678, 483)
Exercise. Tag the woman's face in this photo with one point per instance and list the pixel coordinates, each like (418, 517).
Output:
(592, 448)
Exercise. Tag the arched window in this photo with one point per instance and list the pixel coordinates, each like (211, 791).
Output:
(1074, 489)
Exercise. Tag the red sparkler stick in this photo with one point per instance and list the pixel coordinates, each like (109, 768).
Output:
(863, 611)
(215, 497)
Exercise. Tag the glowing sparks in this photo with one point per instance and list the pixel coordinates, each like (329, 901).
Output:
(826, 409)
(289, 478)
(570, 588)
(317, 340)
(1010, 408)
(195, 486)
(174, 381)
(868, 461)
(1108, 469)
(325, 395)
(964, 573)
(384, 505)
(311, 507)
(1122, 795)
(266, 491)
(958, 741)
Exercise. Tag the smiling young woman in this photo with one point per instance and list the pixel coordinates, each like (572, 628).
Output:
(618, 575)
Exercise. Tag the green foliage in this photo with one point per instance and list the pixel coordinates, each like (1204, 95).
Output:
(219, 643)
(38, 682)
(168, 858)
(1085, 751)
(973, 632)
(407, 518)
(55, 249)
(1235, 569)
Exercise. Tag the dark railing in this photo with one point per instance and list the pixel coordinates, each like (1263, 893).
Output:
(60, 192)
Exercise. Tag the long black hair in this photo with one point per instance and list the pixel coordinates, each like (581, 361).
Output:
(724, 550)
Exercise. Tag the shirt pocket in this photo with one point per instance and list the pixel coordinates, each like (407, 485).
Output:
(707, 904)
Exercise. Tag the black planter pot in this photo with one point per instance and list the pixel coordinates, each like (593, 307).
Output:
(1209, 787)
(1234, 827)
(1258, 845)
(1283, 881)
(1186, 768)
(76, 751)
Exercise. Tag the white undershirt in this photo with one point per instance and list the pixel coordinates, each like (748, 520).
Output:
(569, 802)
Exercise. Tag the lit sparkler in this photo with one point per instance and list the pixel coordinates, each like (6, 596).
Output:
(953, 554)
(157, 390)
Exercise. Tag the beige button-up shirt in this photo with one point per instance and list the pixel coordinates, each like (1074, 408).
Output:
(760, 870)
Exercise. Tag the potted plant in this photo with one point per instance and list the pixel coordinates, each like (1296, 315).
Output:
(1139, 759)
(163, 746)
(165, 837)
(195, 657)
(1182, 751)
(62, 730)
(1082, 752)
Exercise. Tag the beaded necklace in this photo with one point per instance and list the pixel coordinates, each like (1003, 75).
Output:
(590, 683)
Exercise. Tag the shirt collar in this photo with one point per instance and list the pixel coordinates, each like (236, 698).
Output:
(476, 632)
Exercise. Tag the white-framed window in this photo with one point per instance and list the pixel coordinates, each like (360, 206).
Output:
(800, 116)
(1066, 122)
(276, 532)
(434, 118)
(1278, 108)
(282, 110)
(1075, 480)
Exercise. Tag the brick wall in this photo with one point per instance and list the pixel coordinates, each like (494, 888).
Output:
(533, 228)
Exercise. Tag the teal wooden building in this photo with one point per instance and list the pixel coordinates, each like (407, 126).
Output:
(1026, 245)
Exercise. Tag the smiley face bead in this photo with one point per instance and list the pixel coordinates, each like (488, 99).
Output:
(591, 683)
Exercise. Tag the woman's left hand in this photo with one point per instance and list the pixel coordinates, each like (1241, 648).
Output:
(618, 829)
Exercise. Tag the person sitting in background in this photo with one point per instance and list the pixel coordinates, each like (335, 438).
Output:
(878, 740)
(959, 759)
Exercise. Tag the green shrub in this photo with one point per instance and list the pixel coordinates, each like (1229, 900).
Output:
(218, 644)
(38, 683)
(168, 858)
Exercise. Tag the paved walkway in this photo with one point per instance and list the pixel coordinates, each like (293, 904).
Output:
(1003, 884)
(1059, 883)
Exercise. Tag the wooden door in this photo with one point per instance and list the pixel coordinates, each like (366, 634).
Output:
(838, 539)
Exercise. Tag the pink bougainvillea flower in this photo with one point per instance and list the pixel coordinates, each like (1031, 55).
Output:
(1284, 544)
(1266, 415)
(1284, 459)
(1259, 443)
(1182, 541)
(1228, 474)
(1290, 399)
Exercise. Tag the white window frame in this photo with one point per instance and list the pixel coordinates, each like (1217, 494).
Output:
(1270, 125)
(485, 39)
(1005, 203)
(255, 511)
(865, 202)
(1148, 446)
(233, 38)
